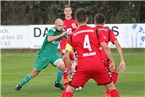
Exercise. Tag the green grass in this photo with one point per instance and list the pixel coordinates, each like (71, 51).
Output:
(16, 64)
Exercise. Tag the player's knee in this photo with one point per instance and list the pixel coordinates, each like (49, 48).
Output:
(70, 89)
(61, 67)
(60, 64)
(110, 86)
(34, 73)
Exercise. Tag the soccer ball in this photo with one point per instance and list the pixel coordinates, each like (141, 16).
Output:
(78, 89)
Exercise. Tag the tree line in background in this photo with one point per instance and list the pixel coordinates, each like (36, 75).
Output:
(45, 12)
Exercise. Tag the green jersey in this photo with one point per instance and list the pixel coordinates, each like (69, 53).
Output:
(50, 48)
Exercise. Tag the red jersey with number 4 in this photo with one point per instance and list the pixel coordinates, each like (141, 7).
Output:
(67, 27)
(84, 40)
(90, 65)
(110, 37)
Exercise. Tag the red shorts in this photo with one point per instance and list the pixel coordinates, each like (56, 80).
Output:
(107, 63)
(92, 70)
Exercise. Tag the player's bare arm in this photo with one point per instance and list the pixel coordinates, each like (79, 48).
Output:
(122, 62)
(74, 26)
(109, 54)
(51, 38)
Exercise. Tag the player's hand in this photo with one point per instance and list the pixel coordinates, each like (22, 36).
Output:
(122, 67)
(62, 34)
(74, 26)
(69, 32)
(112, 66)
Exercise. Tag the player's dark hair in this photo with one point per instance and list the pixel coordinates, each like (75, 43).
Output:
(81, 15)
(99, 18)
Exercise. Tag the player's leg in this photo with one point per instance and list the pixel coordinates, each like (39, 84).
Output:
(63, 93)
(74, 64)
(77, 79)
(69, 91)
(114, 78)
(73, 68)
(104, 78)
(40, 64)
(66, 71)
(27, 78)
(58, 79)
(112, 90)
(65, 75)
(57, 61)
(62, 49)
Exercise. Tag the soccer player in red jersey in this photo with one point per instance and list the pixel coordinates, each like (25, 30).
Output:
(90, 65)
(69, 25)
(99, 21)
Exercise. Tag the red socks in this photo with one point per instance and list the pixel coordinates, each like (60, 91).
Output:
(65, 76)
(63, 93)
(114, 78)
(65, 81)
(68, 94)
(114, 93)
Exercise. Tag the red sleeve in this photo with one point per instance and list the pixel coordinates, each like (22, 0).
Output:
(69, 39)
(112, 37)
(102, 37)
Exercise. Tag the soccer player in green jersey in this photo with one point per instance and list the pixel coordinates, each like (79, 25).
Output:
(48, 54)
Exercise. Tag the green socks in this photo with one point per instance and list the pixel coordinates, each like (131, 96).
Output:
(25, 80)
(59, 76)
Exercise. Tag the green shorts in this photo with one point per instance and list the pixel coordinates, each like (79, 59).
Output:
(42, 62)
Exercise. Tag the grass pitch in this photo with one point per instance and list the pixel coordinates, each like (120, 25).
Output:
(16, 64)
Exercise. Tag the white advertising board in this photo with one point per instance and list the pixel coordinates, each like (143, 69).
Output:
(32, 36)
(14, 37)
(38, 33)
(129, 35)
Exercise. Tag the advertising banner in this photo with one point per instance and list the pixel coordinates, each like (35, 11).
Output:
(32, 36)
(12, 37)
(129, 35)
(38, 33)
